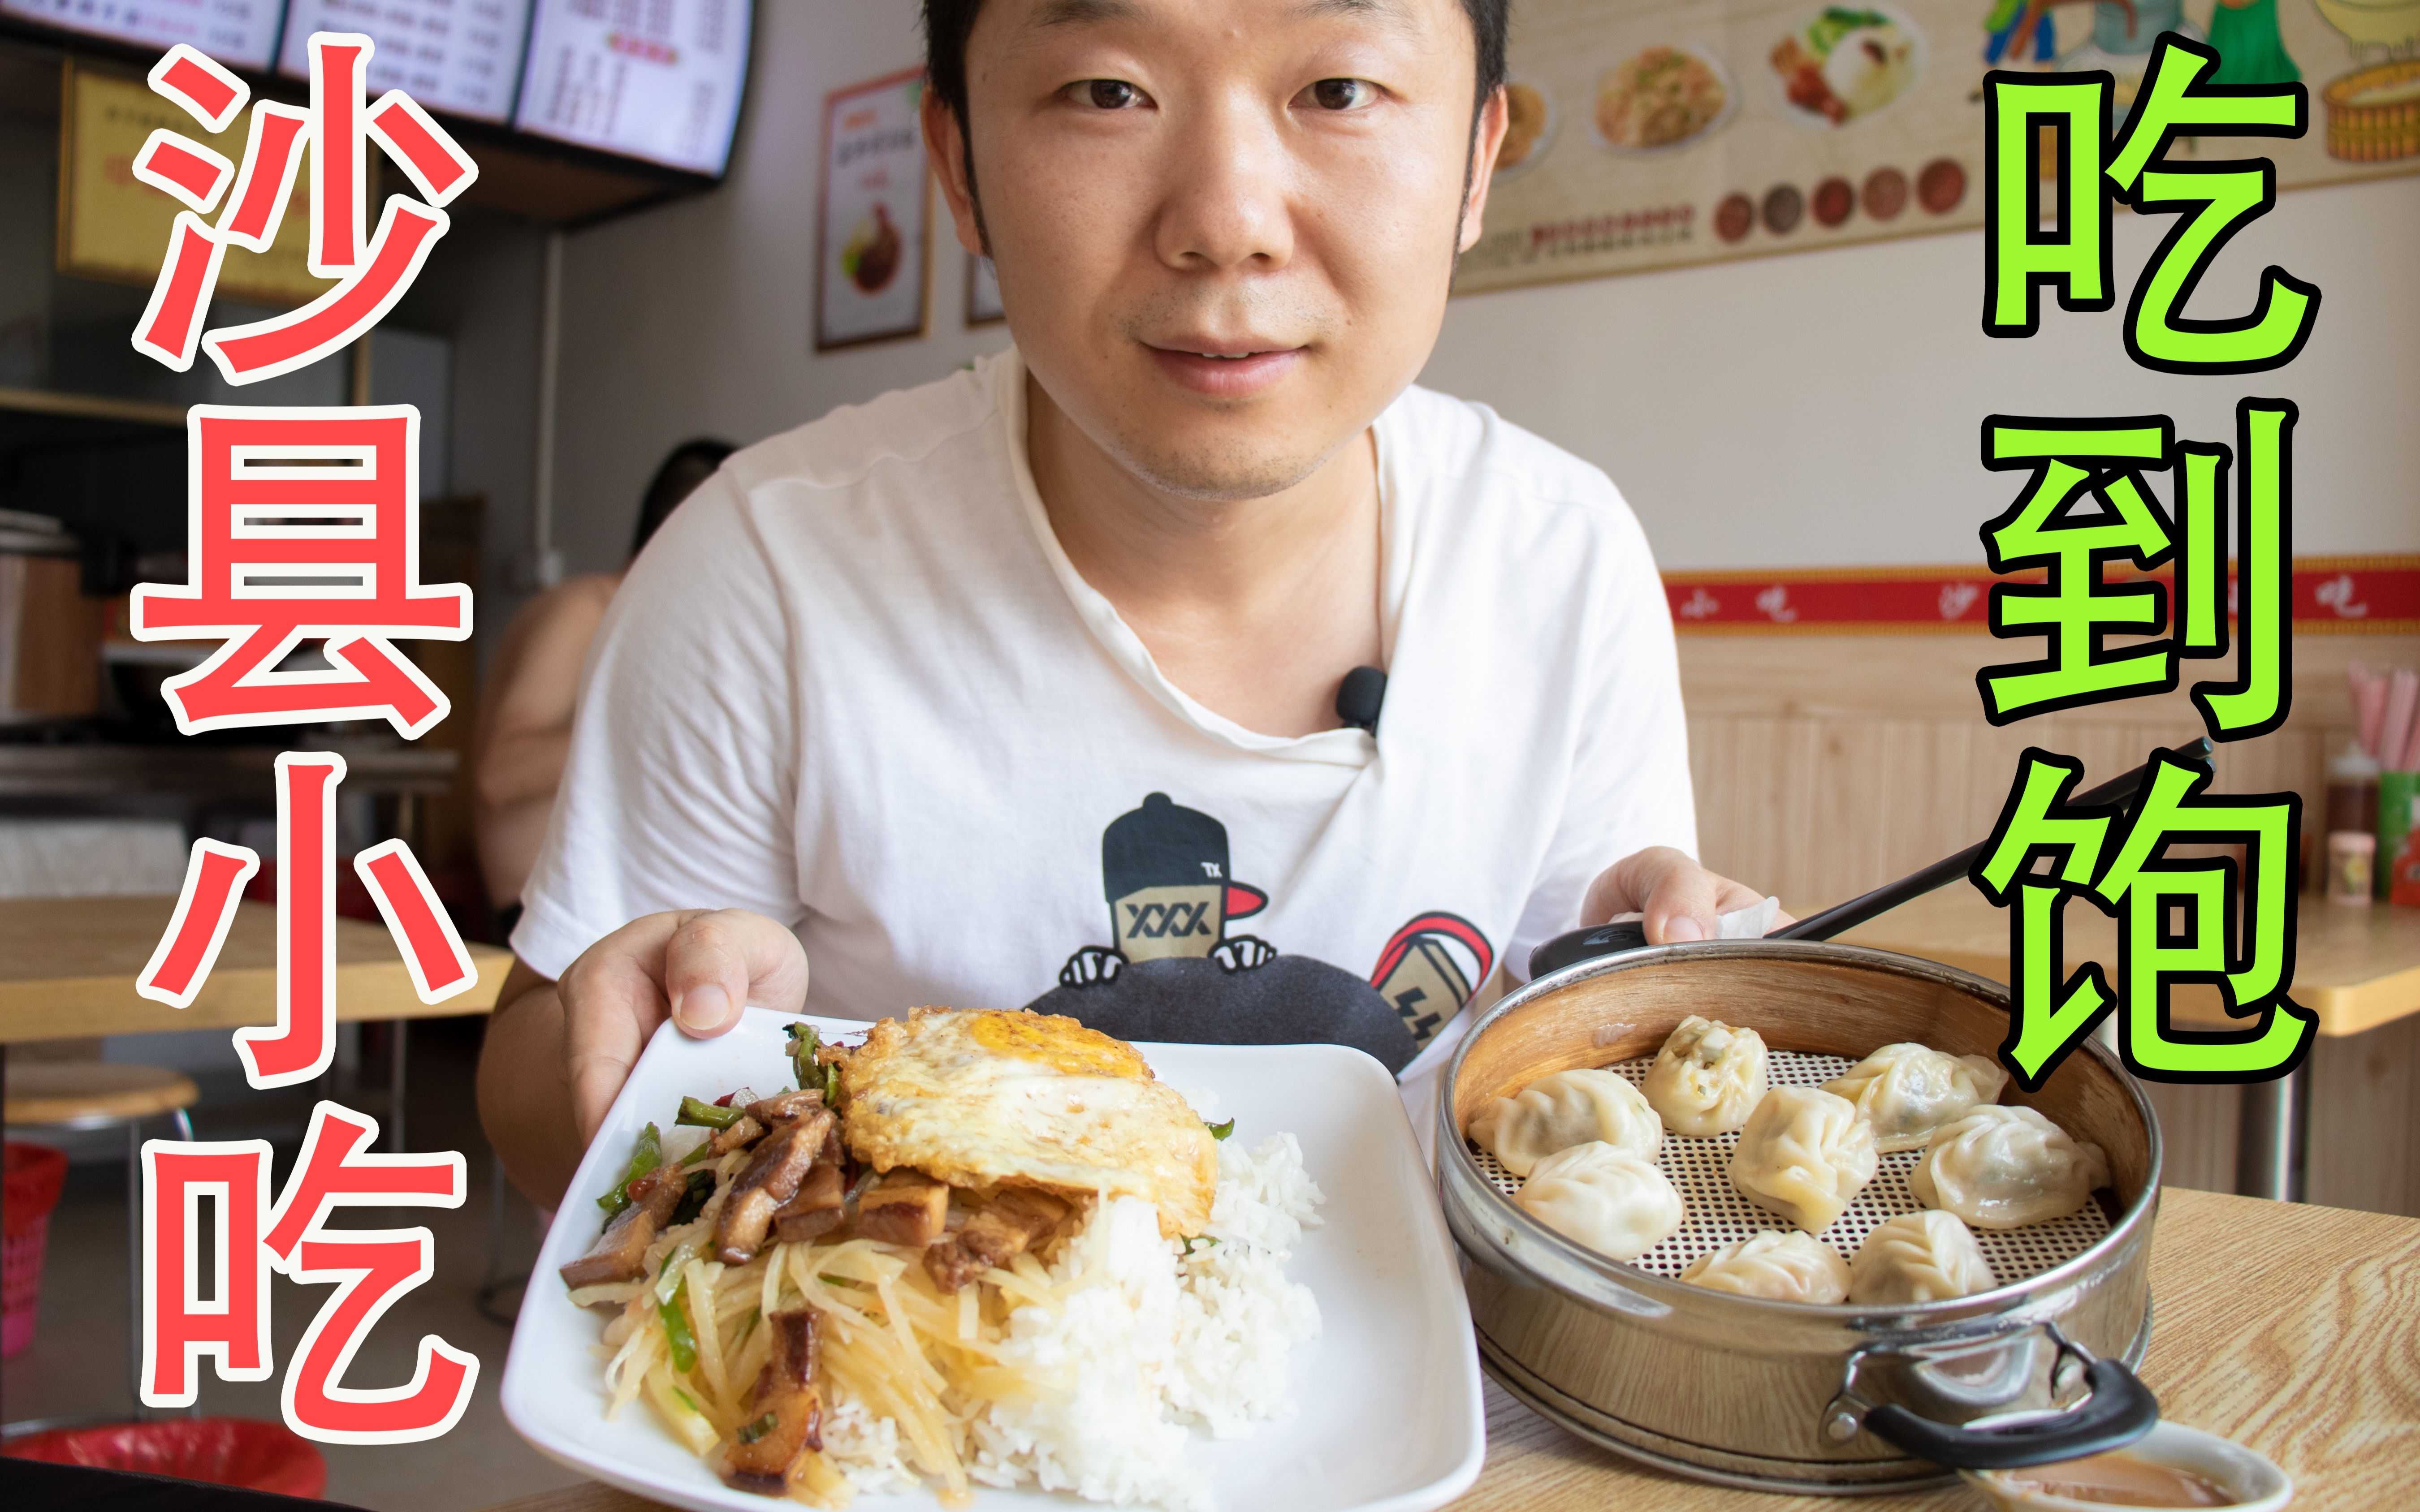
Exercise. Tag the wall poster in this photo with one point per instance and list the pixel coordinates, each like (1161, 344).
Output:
(1652, 132)
(112, 225)
(875, 236)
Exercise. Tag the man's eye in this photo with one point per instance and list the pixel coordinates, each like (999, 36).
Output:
(1108, 94)
(1343, 94)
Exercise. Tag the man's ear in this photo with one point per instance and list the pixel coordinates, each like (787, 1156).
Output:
(945, 146)
(1493, 117)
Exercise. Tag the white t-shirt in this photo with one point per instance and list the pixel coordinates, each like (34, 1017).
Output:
(855, 684)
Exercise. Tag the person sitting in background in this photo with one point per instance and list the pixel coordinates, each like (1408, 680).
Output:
(524, 723)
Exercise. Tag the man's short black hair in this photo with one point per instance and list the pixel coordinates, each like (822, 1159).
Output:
(948, 22)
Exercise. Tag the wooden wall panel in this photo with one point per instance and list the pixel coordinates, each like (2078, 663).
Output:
(1826, 765)
(2197, 1127)
(2365, 1120)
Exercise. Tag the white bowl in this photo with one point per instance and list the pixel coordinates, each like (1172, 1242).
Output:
(2257, 1485)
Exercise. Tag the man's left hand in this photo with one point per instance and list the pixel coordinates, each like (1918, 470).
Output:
(1679, 898)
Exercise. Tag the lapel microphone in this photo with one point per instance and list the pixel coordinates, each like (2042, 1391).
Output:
(1359, 699)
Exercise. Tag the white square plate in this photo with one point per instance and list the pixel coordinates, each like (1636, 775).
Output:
(1387, 1413)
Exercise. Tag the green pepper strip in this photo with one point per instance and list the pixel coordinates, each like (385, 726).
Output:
(707, 1114)
(647, 1157)
(1219, 1131)
(674, 1313)
(804, 1042)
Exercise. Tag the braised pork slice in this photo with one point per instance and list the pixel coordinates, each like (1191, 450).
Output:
(768, 1179)
(744, 1130)
(816, 1209)
(773, 1110)
(619, 1253)
(997, 1233)
(904, 1207)
(789, 1414)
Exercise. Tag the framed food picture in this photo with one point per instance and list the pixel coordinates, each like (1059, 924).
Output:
(983, 293)
(874, 234)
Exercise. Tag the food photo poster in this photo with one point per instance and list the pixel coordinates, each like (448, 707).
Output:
(875, 226)
(1650, 135)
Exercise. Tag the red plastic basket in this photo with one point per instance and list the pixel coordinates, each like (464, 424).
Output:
(35, 1173)
(224, 1451)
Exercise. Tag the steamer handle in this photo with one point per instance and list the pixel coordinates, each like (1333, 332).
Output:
(2120, 1410)
(1575, 946)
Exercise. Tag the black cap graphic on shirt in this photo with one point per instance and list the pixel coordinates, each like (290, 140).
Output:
(1165, 844)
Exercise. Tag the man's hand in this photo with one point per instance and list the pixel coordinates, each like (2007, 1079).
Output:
(1679, 898)
(558, 1053)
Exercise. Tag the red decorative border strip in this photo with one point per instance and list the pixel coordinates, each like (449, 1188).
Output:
(2333, 595)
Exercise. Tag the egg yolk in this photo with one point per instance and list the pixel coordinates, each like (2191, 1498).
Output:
(1068, 1048)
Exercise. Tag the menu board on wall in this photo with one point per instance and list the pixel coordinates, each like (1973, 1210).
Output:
(112, 225)
(873, 232)
(240, 33)
(460, 56)
(652, 79)
(1646, 134)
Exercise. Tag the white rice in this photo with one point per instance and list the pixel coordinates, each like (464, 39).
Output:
(1160, 1339)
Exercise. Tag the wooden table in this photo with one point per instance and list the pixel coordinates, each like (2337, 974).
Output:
(2354, 968)
(68, 968)
(203, 771)
(2294, 1330)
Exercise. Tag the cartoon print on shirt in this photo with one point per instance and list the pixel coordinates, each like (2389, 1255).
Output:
(1164, 871)
(1174, 972)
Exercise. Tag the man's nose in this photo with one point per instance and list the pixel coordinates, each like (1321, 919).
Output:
(1226, 203)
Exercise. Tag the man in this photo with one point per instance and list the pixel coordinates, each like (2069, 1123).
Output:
(524, 726)
(923, 686)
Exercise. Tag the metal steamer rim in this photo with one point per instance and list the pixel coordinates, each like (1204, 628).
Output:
(1714, 1214)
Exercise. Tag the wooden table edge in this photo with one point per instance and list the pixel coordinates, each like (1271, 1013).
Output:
(2342, 1011)
(367, 992)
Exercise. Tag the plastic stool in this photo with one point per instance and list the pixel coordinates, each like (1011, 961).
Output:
(80, 1095)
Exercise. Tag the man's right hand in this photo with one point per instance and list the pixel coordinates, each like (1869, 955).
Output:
(557, 1053)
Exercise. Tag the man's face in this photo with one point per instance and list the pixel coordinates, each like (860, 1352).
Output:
(1224, 228)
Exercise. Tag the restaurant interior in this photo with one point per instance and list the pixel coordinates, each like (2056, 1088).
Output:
(1796, 430)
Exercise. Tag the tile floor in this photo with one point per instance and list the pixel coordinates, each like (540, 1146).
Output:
(77, 1363)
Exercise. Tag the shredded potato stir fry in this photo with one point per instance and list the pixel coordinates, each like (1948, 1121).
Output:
(691, 1338)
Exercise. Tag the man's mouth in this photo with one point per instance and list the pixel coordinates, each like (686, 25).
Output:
(1233, 372)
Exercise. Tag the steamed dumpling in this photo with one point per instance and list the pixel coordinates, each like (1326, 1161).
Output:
(1614, 1203)
(1777, 1266)
(1707, 1078)
(1919, 1256)
(1907, 1091)
(2003, 1167)
(1804, 1155)
(1567, 1108)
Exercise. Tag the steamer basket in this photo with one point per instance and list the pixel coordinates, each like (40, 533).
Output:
(1783, 1395)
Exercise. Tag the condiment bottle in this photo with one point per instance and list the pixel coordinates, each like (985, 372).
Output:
(2396, 791)
(2353, 810)
(2403, 881)
(2352, 856)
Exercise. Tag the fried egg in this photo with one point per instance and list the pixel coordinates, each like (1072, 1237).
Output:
(991, 1099)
